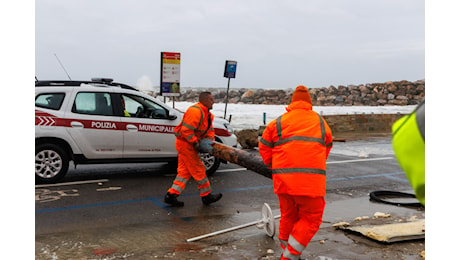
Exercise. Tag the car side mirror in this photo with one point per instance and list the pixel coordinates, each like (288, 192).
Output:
(169, 116)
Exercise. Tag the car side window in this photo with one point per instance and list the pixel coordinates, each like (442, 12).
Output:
(49, 100)
(131, 105)
(93, 103)
(141, 107)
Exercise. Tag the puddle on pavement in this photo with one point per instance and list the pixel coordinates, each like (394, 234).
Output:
(159, 240)
(167, 240)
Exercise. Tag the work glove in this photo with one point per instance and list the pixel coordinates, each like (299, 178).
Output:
(205, 145)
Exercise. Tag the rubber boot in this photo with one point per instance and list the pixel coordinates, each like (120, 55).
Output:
(171, 199)
(211, 198)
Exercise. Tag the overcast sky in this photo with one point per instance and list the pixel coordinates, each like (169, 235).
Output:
(277, 44)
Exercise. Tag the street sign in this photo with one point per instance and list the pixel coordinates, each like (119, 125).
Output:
(229, 72)
(230, 69)
(170, 74)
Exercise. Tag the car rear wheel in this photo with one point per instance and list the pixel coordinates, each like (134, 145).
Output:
(51, 163)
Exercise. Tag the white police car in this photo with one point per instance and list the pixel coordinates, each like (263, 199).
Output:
(100, 121)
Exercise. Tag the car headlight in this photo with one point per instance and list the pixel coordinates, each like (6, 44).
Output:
(229, 127)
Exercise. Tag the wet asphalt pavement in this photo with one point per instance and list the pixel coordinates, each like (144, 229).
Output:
(117, 212)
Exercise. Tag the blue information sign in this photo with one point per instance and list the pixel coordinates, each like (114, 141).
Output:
(230, 69)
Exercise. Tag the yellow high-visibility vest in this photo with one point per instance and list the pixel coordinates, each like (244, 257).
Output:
(409, 148)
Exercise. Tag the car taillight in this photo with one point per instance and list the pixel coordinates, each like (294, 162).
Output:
(221, 132)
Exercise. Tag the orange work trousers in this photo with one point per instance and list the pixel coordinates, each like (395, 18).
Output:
(301, 217)
(189, 165)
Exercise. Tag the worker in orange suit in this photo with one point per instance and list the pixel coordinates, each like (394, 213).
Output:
(295, 146)
(195, 126)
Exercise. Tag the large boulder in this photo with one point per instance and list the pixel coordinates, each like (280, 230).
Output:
(247, 138)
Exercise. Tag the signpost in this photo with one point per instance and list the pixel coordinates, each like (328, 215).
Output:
(170, 74)
(229, 72)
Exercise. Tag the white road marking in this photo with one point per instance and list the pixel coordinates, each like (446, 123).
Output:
(361, 160)
(109, 188)
(232, 170)
(70, 183)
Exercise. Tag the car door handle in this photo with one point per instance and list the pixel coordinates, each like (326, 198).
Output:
(132, 128)
(76, 124)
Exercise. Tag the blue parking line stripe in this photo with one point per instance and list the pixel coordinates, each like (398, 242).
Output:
(396, 178)
(92, 205)
(248, 188)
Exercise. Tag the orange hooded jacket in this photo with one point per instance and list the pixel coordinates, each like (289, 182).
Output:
(295, 147)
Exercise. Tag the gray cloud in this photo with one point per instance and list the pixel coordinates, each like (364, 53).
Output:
(278, 44)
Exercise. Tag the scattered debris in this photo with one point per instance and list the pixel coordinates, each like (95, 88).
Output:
(381, 215)
(341, 224)
(103, 251)
(361, 218)
(389, 233)
(363, 155)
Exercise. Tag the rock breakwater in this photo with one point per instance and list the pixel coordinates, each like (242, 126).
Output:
(392, 93)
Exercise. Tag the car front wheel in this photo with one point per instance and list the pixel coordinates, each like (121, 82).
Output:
(211, 163)
(51, 163)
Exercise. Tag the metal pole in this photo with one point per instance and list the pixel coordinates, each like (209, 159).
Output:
(226, 230)
(226, 98)
(222, 231)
